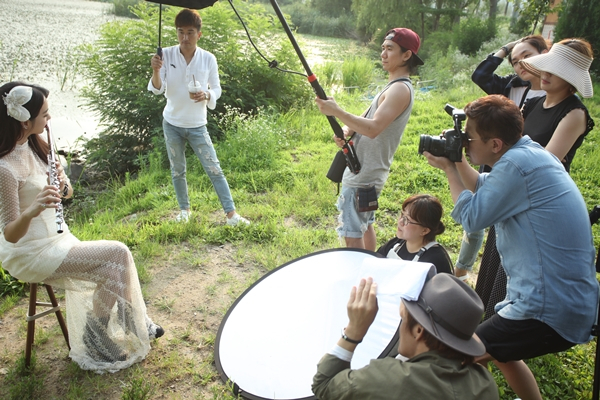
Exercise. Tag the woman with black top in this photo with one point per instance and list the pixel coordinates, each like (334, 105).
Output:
(559, 121)
(418, 225)
(519, 86)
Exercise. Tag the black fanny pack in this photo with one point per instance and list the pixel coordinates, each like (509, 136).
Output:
(366, 199)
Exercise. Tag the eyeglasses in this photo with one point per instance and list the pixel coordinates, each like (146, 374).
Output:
(468, 140)
(405, 221)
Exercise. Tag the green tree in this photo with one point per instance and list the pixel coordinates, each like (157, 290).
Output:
(279, 2)
(472, 33)
(374, 17)
(332, 8)
(493, 9)
(579, 18)
(514, 17)
(532, 11)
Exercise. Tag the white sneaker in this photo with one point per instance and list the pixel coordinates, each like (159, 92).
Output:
(184, 216)
(237, 219)
(461, 274)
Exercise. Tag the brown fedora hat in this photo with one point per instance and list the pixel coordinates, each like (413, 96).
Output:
(449, 310)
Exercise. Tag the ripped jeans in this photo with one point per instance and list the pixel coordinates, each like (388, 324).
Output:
(199, 139)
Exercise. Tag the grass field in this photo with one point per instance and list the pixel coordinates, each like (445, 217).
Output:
(191, 273)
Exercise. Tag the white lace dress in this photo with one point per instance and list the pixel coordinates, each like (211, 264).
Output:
(106, 314)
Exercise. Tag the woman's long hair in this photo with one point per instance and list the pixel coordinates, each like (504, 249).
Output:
(11, 130)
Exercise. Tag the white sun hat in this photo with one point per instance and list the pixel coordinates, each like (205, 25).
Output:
(566, 63)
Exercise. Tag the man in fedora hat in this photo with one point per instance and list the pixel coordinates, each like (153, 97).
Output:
(543, 236)
(437, 348)
(376, 135)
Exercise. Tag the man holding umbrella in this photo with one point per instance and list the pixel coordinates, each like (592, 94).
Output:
(189, 78)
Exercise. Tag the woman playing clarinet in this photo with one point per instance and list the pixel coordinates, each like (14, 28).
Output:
(106, 315)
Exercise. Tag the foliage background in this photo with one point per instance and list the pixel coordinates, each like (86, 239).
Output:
(579, 19)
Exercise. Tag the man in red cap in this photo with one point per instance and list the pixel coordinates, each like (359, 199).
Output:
(376, 135)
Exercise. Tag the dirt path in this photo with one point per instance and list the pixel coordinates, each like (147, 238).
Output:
(188, 295)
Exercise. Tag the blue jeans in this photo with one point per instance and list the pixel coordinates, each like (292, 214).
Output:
(199, 139)
(469, 247)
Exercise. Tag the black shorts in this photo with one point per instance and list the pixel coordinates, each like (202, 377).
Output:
(513, 340)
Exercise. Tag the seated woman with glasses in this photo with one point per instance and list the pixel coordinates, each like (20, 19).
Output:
(418, 225)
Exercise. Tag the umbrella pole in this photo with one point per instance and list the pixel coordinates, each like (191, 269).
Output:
(159, 48)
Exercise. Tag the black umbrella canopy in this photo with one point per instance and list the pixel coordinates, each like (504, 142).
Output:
(193, 4)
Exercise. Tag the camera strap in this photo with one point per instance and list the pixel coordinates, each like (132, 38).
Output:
(386, 87)
(348, 149)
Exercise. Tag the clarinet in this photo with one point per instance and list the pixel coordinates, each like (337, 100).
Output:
(54, 180)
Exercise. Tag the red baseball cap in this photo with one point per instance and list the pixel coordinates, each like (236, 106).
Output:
(407, 39)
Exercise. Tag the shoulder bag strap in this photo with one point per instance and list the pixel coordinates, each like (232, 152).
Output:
(424, 249)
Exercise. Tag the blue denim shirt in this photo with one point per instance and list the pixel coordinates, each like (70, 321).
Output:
(544, 238)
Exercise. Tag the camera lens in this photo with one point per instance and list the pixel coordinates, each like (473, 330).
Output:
(424, 143)
(436, 146)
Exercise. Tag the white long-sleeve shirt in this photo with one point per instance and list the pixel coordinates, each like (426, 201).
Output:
(175, 75)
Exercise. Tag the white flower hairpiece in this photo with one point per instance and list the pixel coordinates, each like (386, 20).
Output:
(14, 101)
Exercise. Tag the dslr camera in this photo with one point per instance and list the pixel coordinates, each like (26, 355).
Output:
(449, 144)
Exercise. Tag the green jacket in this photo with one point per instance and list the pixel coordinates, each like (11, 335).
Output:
(426, 376)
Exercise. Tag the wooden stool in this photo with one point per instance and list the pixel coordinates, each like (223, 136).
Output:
(32, 316)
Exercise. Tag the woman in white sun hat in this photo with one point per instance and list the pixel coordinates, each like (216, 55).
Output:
(559, 121)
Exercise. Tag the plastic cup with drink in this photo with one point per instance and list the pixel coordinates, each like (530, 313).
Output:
(194, 87)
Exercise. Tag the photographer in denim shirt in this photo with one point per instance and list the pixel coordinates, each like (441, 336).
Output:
(544, 240)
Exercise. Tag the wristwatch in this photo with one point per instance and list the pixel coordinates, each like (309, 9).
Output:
(207, 95)
(505, 49)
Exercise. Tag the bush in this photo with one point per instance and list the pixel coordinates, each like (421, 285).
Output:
(122, 8)
(435, 42)
(9, 285)
(313, 22)
(357, 72)
(472, 33)
(118, 67)
(254, 141)
(329, 73)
